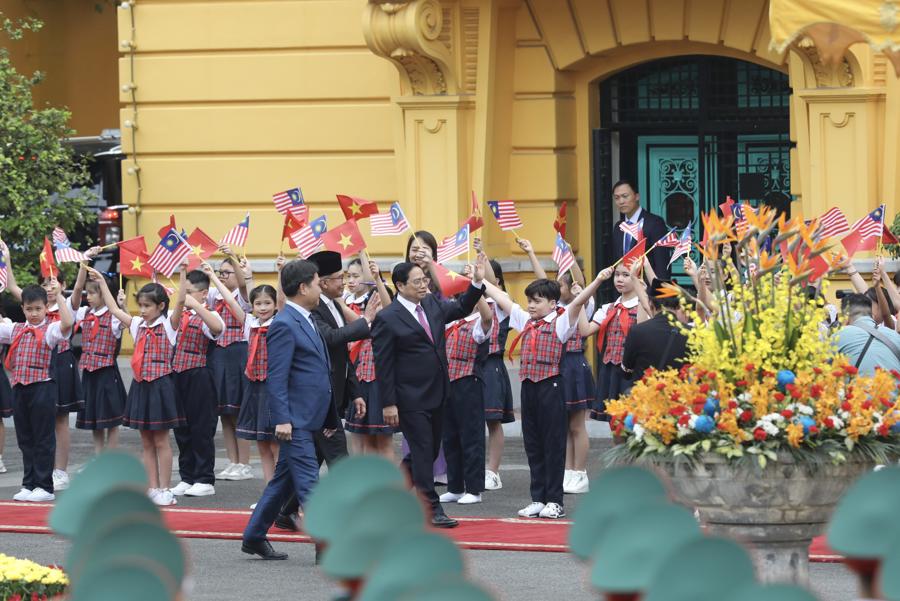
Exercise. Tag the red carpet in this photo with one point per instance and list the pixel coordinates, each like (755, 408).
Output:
(497, 534)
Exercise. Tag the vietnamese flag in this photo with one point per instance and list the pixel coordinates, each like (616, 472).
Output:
(345, 239)
(475, 220)
(48, 263)
(164, 230)
(133, 258)
(887, 236)
(450, 282)
(726, 207)
(635, 253)
(202, 248)
(356, 208)
(294, 219)
(854, 242)
(560, 224)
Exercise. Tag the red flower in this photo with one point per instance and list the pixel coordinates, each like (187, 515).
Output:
(746, 415)
(711, 375)
(676, 411)
(837, 373)
(684, 420)
(795, 392)
(741, 383)
(813, 430)
(829, 423)
(787, 414)
(867, 405)
(661, 386)
(846, 406)
(722, 427)
(749, 367)
(886, 402)
(701, 373)
(851, 370)
(674, 397)
(815, 391)
(704, 388)
(699, 399)
(895, 373)
(817, 371)
(760, 434)
(732, 404)
(779, 396)
(884, 429)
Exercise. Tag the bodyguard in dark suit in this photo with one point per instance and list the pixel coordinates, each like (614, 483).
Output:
(628, 202)
(413, 377)
(657, 342)
(299, 400)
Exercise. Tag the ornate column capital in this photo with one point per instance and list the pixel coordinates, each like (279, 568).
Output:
(406, 32)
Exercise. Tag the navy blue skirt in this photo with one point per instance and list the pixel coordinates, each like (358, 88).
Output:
(6, 395)
(254, 421)
(65, 371)
(228, 364)
(498, 400)
(104, 399)
(612, 382)
(153, 406)
(373, 422)
(577, 381)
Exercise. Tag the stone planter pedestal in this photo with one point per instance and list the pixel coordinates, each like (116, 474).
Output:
(775, 512)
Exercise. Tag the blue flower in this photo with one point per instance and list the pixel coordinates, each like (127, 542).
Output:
(704, 424)
(711, 406)
(629, 421)
(807, 422)
(895, 428)
(785, 377)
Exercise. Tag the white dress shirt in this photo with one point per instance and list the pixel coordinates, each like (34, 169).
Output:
(333, 309)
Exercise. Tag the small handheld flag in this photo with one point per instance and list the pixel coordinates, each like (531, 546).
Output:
(475, 219)
(202, 247)
(356, 208)
(4, 276)
(345, 239)
(169, 253)
(865, 233)
(562, 254)
(170, 226)
(48, 265)
(633, 229)
(453, 246)
(505, 213)
(287, 199)
(295, 219)
(133, 258)
(308, 238)
(64, 251)
(450, 282)
(237, 236)
(389, 224)
(669, 240)
(684, 243)
(832, 224)
(727, 207)
(560, 224)
(635, 254)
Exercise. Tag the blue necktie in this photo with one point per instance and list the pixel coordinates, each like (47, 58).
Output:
(627, 240)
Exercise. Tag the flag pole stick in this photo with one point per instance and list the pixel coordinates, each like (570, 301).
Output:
(614, 265)
(120, 280)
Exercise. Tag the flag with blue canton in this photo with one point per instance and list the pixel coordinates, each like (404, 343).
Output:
(684, 243)
(870, 225)
(562, 254)
(670, 239)
(3, 274)
(169, 253)
(237, 236)
(453, 246)
(63, 248)
(287, 199)
(307, 239)
(390, 224)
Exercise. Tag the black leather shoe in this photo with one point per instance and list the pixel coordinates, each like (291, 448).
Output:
(442, 521)
(289, 522)
(263, 549)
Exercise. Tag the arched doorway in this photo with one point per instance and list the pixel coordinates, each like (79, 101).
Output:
(691, 130)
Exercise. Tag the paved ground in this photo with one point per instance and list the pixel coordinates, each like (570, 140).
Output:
(221, 571)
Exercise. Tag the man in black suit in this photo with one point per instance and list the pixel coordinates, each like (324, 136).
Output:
(336, 330)
(413, 377)
(657, 342)
(628, 201)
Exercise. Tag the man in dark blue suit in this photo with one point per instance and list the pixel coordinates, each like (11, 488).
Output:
(299, 397)
(628, 201)
(413, 377)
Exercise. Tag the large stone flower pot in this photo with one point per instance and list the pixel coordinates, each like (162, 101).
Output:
(775, 511)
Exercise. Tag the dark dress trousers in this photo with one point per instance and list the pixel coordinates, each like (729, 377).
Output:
(413, 376)
(654, 228)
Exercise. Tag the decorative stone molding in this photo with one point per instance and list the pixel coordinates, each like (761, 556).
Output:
(827, 76)
(407, 33)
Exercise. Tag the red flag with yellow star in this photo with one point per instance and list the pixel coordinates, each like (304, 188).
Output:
(48, 263)
(202, 248)
(560, 224)
(475, 220)
(133, 258)
(451, 283)
(345, 239)
(294, 219)
(356, 208)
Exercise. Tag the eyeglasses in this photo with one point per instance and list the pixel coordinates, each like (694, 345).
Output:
(333, 277)
(225, 274)
(420, 281)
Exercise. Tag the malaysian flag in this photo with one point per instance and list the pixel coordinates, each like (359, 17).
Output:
(870, 225)
(454, 245)
(562, 254)
(740, 218)
(389, 224)
(3, 274)
(237, 237)
(832, 224)
(169, 253)
(287, 199)
(632, 229)
(63, 248)
(684, 244)
(505, 213)
(308, 238)
(670, 239)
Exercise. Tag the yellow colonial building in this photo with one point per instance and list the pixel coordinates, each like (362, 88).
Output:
(224, 102)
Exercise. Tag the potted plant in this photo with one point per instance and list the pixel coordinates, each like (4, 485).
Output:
(25, 580)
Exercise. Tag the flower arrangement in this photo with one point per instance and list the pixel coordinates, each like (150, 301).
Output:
(762, 374)
(24, 580)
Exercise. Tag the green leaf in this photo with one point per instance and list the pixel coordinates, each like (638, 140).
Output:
(721, 334)
(706, 444)
(762, 461)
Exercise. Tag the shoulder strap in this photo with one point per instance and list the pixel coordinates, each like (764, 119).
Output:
(880, 337)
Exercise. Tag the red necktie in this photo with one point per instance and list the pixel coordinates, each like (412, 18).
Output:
(454, 331)
(619, 312)
(355, 347)
(254, 346)
(420, 315)
(89, 326)
(137, 359)
(531, 325)
(53, 316)
(38, 335)
(186, 321)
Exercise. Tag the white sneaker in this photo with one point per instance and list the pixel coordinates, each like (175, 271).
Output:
(492, 480)
(577, 484)
(242, 472)
(39, 495)
(253, 506)
(200, 490)
(533, 510)
(469, 499)
(164, 497)
(2, 467)
(182, 488)
(567, 478)
(553, 511)
(152, 492)
(60, 480)
(228, 472)
(22, 495)
(451, 497)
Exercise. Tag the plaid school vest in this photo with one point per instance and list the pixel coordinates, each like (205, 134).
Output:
(28, 357)
(361, 354)
(190, 349)
(613, 330)
(462, 350)
(499, 333)
(98, 343)
(541, 351)
(64, 344)
(234, 330)
(258, 355)
(575, 343)
(157, 359)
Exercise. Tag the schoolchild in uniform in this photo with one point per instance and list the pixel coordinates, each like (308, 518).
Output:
(228, 359)
(467, 341)
(498, 401)
(152, 407)
(370, 434)
(29, 360)
(543, 332)
(104, 391)
(254, 422)
(197, 327)
(6, 407)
